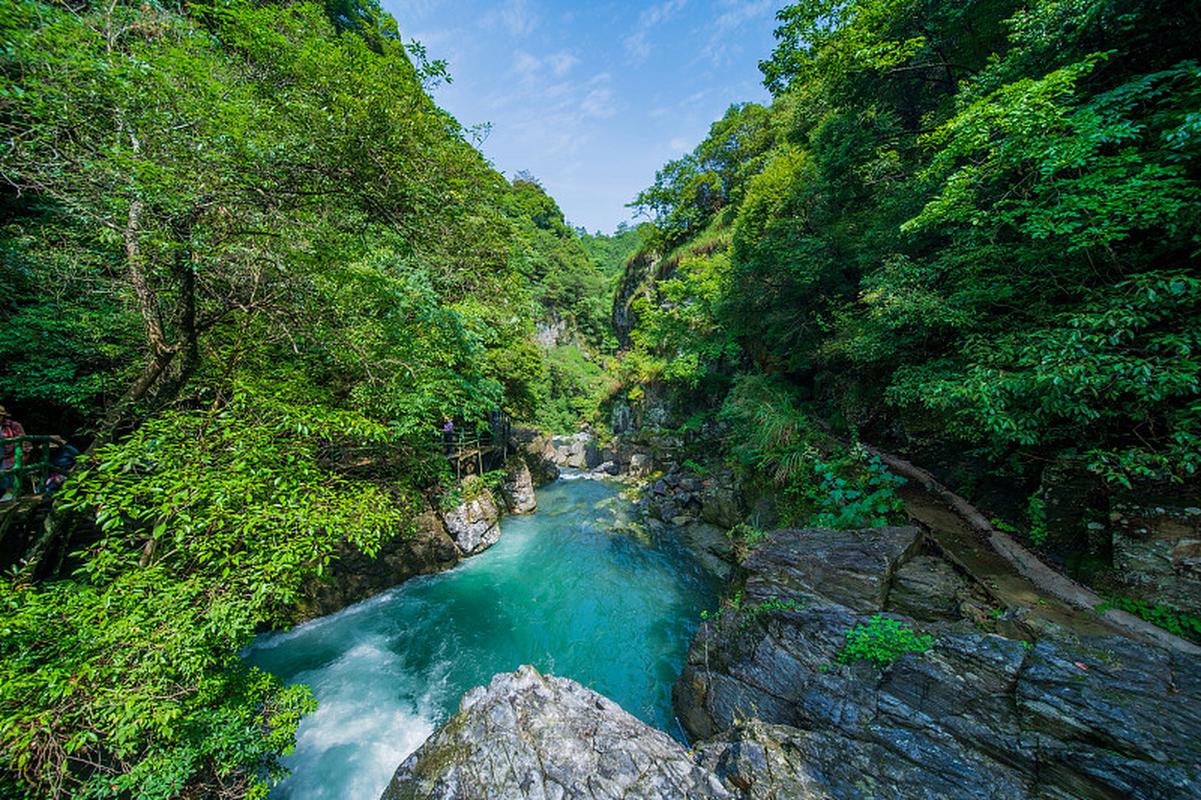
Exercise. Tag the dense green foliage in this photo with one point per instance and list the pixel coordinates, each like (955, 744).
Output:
(972, 226)
(567, 282)
(819, 482)
(573, 390)
(254, 264)
(250, 259)
(610, 252)
(881, 641)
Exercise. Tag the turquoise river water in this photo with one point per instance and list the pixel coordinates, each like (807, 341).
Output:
(577, 589)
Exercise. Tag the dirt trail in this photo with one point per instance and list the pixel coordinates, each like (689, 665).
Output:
(966, 549)
(1014, 575)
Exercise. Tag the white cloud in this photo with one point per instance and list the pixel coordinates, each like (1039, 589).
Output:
(680, 145)
(561, 62)
(637, 43)
(598, 104)
(518, 17)
(525, 64)
(723, 45)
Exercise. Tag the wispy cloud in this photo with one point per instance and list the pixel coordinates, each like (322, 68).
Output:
(637, 43)
(723, 43)
(555, 114)
(561, 62)
(528, 66)
(598, 104)
(515, 16)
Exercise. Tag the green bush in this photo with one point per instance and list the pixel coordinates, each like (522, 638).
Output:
(881, 640)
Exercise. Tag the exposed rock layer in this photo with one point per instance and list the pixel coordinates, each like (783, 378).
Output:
(979, 715)
(518, 488)
(474, 524)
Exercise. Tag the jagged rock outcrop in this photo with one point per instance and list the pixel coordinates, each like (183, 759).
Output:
(532, 736)
(1157, 549)
(641, 464)
(353, 576)
(929, 589)
(518, 487)
(978, 715)
(536, 449)
(474, 524)
(721, 501)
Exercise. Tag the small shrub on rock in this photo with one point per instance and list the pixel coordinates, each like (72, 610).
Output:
(881, 640)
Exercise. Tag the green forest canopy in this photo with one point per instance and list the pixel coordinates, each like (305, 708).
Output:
(973, 224)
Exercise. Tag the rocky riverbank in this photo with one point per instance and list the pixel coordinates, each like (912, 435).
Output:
(991, 705)
(439, 538)
(532, 736)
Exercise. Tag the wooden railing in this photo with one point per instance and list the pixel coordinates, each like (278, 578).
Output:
(475, 444)
(35, 464)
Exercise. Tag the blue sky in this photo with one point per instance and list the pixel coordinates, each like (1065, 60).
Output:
(592, 97)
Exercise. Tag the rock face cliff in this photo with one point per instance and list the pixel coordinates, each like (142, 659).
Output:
(474, 524)
(978, 715)
(532, 736)
(355, 576)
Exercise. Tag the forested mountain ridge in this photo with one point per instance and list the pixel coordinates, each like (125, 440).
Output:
(964, 230)
(243, 252)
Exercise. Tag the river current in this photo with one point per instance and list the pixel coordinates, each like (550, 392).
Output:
(578, 589)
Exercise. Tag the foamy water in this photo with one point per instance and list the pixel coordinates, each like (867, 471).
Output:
(575, 589)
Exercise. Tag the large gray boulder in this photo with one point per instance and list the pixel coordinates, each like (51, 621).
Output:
(474, 524)
(538, 452)
(533, 736)
(927, 588)
(978, 715)
(578, 451)
(721, 503)
(518, 487)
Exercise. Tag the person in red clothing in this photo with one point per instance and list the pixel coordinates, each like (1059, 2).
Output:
(9, 429)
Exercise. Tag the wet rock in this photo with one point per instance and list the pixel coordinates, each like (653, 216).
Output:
(619, 418)
(539, 454)
(592, 455)
(641, 464)
(518, 488)
(1157, 551)
(474, 523)
(712, 546)
(578, 451)
(721, 504)
(848, 568)
(532, 736)
(927, 588)
(764, 513)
